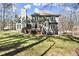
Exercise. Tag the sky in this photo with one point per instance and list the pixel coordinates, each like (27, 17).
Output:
(34, 7)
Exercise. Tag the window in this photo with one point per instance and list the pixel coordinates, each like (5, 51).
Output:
(50, 20)
(51, 27)
(54, 27)
(53, 18)
(45, 24)
(33, 18)
(17, 26)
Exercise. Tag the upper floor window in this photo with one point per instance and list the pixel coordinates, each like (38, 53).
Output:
(53, 19)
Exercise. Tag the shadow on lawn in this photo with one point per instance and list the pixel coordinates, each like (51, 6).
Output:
(48, 49)
(12, 37)
(17, 44)
(10, 46)
(64, 39)
(68, 38)
(15, 36)
(75, 39)
(23, 48)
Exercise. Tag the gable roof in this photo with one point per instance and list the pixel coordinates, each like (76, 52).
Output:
(45, 13)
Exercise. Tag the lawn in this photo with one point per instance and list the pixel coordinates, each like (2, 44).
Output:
(19, 44)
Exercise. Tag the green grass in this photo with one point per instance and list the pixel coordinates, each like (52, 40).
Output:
(15, 40)
(37, 50)
(64, 45)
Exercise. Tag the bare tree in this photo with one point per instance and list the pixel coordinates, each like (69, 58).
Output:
(8, 15)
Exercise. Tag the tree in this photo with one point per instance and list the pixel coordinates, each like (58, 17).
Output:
(8, 14)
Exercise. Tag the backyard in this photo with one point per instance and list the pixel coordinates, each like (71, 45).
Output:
(19, 44)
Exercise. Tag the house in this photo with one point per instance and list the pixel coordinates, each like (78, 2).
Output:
(21, 20)
(42, 22)
(47, 22)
